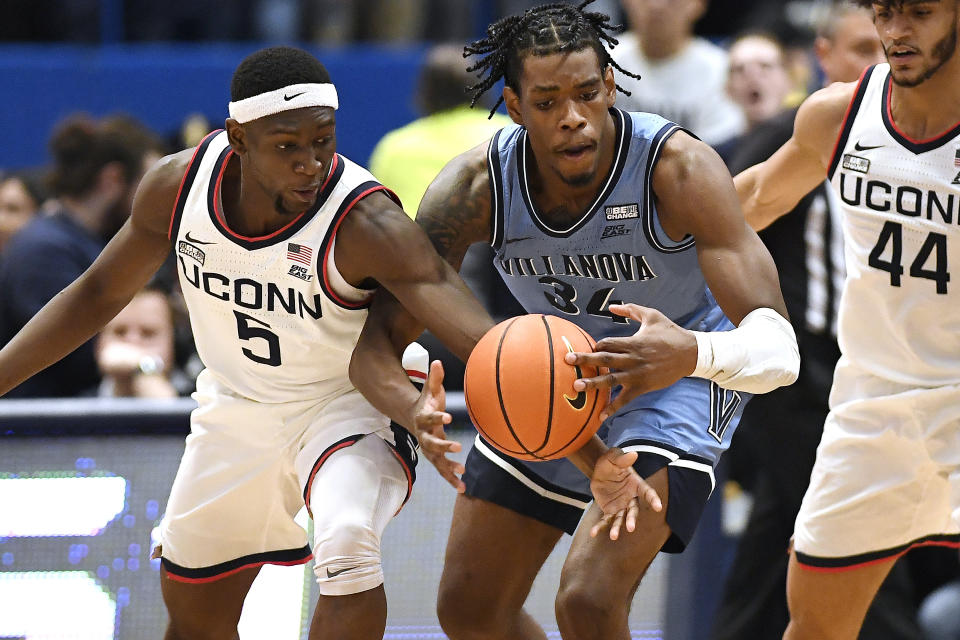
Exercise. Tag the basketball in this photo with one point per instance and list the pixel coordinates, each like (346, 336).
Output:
(519, 390)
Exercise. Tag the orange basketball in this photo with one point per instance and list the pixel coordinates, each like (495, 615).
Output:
(519, 390)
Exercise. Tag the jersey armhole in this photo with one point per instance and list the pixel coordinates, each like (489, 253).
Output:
(649, 218)
(332, 282)
(848, 118)
(495, 177)
(186, 184)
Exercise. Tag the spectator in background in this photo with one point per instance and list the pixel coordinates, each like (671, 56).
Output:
(682, 77)
(776, 442)
(96, 169)
(339, 22)
(135, 350)
(21, 195)
(409, 158)
(513, 7)
(757, 81)
(146, 145)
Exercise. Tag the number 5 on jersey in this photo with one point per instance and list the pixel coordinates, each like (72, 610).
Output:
(246, 331)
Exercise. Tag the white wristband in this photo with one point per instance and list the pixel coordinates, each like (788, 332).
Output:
(758, 356)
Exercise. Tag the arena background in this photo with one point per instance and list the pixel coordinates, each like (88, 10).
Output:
(83, 483)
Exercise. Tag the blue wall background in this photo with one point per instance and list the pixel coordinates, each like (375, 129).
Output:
(162, 84)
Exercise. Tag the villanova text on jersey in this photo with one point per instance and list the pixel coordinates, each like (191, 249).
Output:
(615, 252)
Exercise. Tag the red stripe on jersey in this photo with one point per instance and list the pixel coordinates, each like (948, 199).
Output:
(846, 116)
(218, 210)
(892, 556)
(183, 180)
(326, 253)
(893, 123)
(221, 576)
(318, 464)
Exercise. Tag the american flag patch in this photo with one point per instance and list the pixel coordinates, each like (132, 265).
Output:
(956, 158)
(299, 253)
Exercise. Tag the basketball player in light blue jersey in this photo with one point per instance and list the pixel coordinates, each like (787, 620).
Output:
(589, 208)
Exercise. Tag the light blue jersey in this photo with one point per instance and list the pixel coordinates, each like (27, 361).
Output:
(615, 252)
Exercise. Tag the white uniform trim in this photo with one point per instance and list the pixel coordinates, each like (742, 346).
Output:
(646, 448)
(675, 460)
(524, 480)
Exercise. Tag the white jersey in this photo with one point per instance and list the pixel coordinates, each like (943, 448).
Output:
(273, 319)
(900, 309)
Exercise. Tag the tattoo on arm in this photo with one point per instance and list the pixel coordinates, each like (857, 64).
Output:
(456, 211)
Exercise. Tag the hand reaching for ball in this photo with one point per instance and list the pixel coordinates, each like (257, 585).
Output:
(430, 418)
(657, 355)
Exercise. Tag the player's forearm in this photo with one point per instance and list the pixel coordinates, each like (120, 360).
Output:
(71, 318)
(758, 214)
(378, 374)
(451, 312)
(376, 366)
(758, 356)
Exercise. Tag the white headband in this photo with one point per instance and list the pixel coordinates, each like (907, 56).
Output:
(294, 96)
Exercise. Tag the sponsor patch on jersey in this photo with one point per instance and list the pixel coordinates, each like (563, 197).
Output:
(856, 163)
(614, 230)
(191, 251)
(622, 211)
(298, 271)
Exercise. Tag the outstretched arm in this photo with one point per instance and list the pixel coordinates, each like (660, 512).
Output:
(126, 264)
(695, 196)
(454, 213)
(772, 188)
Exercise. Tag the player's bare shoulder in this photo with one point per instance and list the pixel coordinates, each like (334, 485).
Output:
(456, 209)
(821, 116)
(689, 180)
(157, 193)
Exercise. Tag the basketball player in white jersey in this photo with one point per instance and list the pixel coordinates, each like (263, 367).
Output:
(887, 475)
(279, 243)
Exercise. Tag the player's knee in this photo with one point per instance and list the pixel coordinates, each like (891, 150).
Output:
(580, 605)
(347, 558)
(464, 617)
(456, 611)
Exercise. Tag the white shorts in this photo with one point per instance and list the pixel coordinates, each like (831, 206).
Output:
(247, 470)
(887, 475)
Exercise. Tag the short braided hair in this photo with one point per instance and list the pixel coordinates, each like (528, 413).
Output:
(543, 30)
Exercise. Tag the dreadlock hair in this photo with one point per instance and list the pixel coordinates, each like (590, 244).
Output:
(275, 68)
(541, 31)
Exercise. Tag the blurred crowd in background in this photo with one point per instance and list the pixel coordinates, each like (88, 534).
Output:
(730, 71)
(750, 59)
(321, 22)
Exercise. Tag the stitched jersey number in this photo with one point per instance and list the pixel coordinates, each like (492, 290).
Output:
(892, 234)
(562, 296)
(247, 332)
